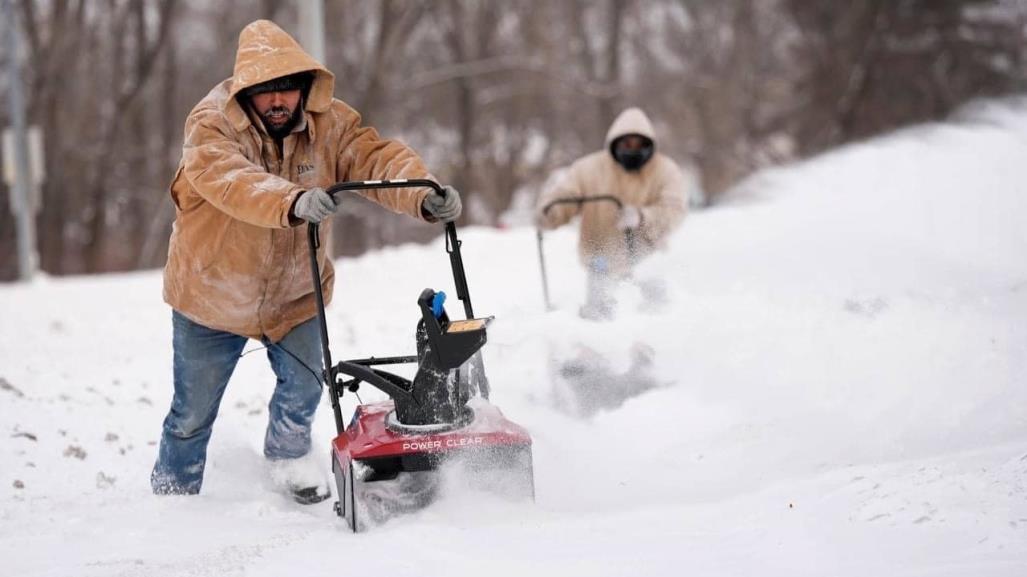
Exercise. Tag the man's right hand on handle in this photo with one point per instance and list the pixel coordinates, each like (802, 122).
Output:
(445, 208)
(546, 220)
(314, 205)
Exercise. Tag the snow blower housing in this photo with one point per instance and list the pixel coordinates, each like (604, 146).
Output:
(386, 461)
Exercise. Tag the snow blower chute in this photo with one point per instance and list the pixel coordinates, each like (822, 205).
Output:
(388, 460)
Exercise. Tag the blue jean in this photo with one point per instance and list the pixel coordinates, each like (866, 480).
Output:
(203, 363)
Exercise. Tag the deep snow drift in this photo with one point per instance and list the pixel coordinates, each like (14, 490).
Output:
(842, 392)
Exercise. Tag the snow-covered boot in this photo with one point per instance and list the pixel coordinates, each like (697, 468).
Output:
(303, 479)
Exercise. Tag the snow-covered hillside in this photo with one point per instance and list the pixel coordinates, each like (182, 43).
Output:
(843, 391)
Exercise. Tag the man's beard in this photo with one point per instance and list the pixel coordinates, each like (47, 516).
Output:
(280, 131)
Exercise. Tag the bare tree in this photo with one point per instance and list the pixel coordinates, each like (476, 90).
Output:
(494, 94)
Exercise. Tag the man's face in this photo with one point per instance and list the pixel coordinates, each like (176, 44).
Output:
(276, 109)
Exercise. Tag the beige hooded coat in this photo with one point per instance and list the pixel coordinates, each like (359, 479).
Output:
(658, 190)
(236, 260)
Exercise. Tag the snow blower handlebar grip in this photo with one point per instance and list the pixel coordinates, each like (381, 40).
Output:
(373, 184)
(583, 200)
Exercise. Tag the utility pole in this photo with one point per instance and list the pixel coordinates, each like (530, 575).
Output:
(311, 16)
(22, 203)
(312, 27)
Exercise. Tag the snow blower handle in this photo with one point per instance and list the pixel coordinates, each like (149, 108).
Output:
(580, 200)
(398, 183)
(314, 241)
(629, 235)
(456, 260)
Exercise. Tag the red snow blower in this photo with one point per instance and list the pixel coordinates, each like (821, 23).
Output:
(390, 458)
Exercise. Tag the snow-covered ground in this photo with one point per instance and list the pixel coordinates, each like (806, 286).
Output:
(843, 367)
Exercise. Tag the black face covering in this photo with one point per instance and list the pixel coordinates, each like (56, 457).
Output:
(632, 160)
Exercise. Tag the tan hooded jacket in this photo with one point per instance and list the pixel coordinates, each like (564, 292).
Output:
(235, 262)
(658, 190)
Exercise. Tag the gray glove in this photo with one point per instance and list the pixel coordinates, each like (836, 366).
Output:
(445, 209)
(314, 205)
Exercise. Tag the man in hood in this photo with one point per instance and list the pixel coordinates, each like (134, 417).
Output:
(258, 152)
(630, 198)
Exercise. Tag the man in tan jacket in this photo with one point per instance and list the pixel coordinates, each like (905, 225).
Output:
(630, 198)
(258, 151)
